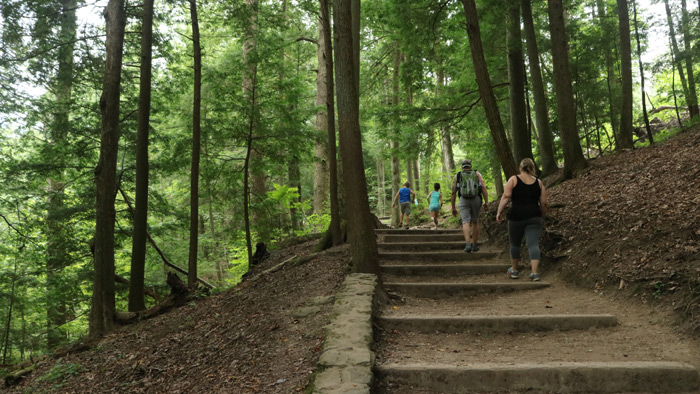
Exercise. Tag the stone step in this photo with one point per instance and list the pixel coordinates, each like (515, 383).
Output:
(458, 255)
(438, 290)
(488, 324)
(457, 237)
(444, 269)
(421, 246)
(423, 231)
(564, 377)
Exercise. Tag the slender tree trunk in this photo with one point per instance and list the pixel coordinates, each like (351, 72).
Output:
(641, 74)
(395, 163)
(102, 309)
(416, 173)
(522, 146)
(675, 52)
(497, 177)
(448, 160)
(488, 99)
(610, 71)
(360, 224)
(336, 231)
(246, 173)
(380, 186)
(8, 324)
(196, 139)
(673, 89)
(573, 157)
(321, 171)
(545, 139)
(295, 181)
(626, 140)
(688, 56)
(57, 256)
(138, 242)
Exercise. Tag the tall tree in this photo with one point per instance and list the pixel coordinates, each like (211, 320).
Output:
(545, 140)
(676, 52)
(394, 144)
(196, 141)
(102, 309)
(488, 100)
(321, 178)
(252, 169)
(336, 232)
(641, 73)
(138, 243)
(360, 226)
(688, 57)
(522, 145)
(612, 84)
(625, 139)
(573, 157)
(57, 257)
(448, 160)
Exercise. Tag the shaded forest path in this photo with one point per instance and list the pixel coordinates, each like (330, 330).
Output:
(464, 326)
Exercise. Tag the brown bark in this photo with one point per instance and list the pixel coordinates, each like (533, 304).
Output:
(360, 223)
(101, 318)
(196, 140)
(522, 146)
(321, 172)
(488, 100)
(394, 144)
(692, 97)
(335, 226)
(545, 139)
(380, 186)
(675, 51)
(573, 157)
(138, 241)
(448, 161)
(641, 74)
(625, 139)
(610, 72)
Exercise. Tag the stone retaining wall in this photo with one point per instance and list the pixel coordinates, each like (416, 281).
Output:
(346, 363)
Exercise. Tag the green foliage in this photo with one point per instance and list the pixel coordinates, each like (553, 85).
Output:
(60, 373)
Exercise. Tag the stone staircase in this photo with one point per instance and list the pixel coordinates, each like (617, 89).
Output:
(464, 327)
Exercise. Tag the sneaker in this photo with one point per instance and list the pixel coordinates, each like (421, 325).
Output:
(406, 227)
(468, 248)
(513, 273)
(535, 277)
(475, 247)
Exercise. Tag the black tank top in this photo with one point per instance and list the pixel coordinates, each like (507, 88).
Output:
(526, 200)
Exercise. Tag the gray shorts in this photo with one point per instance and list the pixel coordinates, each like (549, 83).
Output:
(406, 208)
(469, 209)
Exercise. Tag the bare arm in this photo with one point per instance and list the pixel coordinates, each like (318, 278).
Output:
(507, 193)
(484, 191)
(454, 195)
(429, 194)
(543, 199)
(393, 203)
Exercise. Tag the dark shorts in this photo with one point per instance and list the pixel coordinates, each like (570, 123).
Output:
(406, 208)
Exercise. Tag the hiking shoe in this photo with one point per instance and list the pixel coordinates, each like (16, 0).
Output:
(468, 248)
(513, 273)
(535, 277)
(475, 247)
(406, 227)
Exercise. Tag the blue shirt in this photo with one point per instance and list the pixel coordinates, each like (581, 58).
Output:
(404, 195)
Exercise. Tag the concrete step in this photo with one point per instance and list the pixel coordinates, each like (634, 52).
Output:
(457, 237)
(564, 377)
(421, 246)
(457, 255)
(489, 324)
(438, 290)
(444, 269)
(401, 231)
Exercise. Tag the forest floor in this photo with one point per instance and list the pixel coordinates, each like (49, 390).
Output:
(627, 228)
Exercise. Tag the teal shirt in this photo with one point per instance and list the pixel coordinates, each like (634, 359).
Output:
(435, 199)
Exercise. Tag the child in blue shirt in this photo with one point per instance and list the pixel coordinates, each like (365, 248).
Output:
(405, 196)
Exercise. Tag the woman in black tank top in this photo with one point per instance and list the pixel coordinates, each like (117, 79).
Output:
(525, 217)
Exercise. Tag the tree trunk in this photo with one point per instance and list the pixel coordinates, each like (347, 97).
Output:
(573, 157)
(138, 242)
(380, 186)
(335, 228)
(8, 323)
(675, 52)
(102, 310)
(295, 181)
(448, 161)
(57, 256)
(395, 163)
(611, 79)
(409, 171)
(488, 99)
(625, 140)
(196, 139)
(321, 171)
(673, 89)
(545, 139)
(522, 146)
(641, 74)
(497, 177)
(688, 56)
(360, 223)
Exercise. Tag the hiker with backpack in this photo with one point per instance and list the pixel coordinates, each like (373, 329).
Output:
(435, 203)
(405, 196)
(526, 216)
(469, 184)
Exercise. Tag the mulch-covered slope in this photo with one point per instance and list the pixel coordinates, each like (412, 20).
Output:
(242, 341)
(631, 221)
